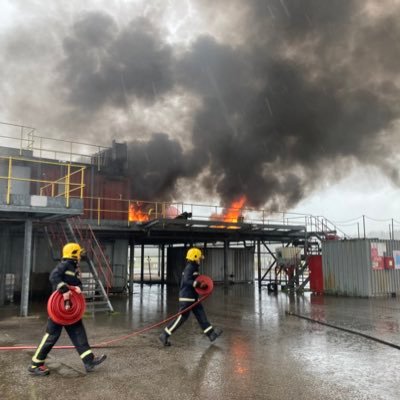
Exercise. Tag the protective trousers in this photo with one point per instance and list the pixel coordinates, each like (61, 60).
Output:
(199, 313)
(77, 334)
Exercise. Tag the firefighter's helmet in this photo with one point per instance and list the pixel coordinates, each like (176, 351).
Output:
(73, 251)
(194, 254)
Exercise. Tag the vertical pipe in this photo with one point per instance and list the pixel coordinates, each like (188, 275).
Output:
(358, 229)
(27, 265)
(163, 263)
(82, 181)
(259, 262)
(131, 263)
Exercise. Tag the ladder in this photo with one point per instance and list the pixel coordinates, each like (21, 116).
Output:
(96, 272)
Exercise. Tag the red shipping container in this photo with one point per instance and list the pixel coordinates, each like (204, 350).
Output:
(388, 262)
(316, 274)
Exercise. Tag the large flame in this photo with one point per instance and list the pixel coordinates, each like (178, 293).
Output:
(231, 214)
(234, 211)
(136, 214)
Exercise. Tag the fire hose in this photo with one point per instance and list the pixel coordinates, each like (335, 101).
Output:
(364, 335)
(62, 315)
(56, 309)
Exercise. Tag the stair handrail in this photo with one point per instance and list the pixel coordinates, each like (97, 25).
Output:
(96, 250)
(93, 269)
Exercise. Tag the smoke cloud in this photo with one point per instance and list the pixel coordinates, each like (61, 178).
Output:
(282, 96)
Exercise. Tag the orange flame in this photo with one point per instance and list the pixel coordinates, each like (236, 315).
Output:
(136, 214)
(233, 213)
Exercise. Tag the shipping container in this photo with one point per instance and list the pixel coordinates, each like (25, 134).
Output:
(361, 267)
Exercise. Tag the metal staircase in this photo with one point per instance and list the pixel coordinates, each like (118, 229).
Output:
(294, 276)
(96, 272)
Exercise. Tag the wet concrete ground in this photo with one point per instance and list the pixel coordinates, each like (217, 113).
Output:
(262, 354)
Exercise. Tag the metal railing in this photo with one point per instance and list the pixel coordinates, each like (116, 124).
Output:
(38, 185)
(25, 138)
(130, 211)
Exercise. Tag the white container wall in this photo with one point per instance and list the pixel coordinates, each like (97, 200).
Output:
(361, 267)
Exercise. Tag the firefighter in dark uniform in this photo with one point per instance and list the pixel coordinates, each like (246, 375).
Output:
(188, 296)
(64, 274)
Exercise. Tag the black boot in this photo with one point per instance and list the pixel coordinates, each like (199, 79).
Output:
(214, 333)
(89, 365)
(164, 339)
(40, 370)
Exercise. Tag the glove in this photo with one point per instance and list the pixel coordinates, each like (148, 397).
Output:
(202, 285)
(67, 302)
(67, 295)
(77, 289)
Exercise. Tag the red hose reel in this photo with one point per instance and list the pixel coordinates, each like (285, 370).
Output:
(208, 281)
(62, 316)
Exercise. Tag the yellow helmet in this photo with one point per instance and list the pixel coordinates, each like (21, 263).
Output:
(73, 251)
(194, 254)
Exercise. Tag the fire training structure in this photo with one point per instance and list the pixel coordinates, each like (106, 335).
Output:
(85, 198)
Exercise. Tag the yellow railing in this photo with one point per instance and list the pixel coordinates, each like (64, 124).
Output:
(43, 187)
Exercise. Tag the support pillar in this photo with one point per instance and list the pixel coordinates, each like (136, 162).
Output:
(4, 260)
(163, 263)
(259, 263)
(131, 264)
(27, 266)
(142, 266)
(226, 281)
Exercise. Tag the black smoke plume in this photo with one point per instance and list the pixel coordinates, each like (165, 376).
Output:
(292, 96)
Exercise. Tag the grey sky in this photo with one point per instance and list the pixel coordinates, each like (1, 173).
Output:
(280, 100)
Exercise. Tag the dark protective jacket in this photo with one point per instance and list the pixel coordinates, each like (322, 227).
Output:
(65, 273)
(187, 290)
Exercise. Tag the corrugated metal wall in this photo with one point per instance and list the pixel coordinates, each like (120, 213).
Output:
(106, 195)
(240, 264)
(347, 268)
(11, 261)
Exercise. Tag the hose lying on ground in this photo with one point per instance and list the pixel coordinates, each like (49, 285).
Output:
(344, 330)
